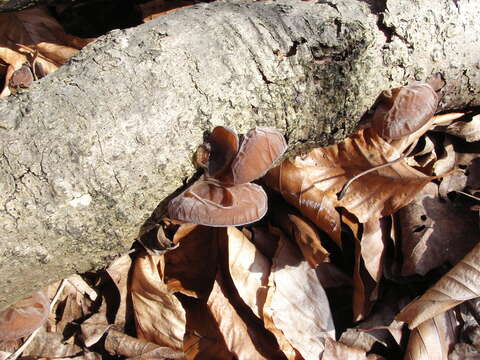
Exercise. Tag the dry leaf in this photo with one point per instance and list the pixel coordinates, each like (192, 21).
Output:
(23, 317)
(298, 298)
(159, 315)
(203, 339)
(306, 237)
(433, 339)
(245, 273)
(311, 182)
(52, 345)
(118, 343)
(468, 130)
(335, 350)
(234, 330)
(119, 271)
(460, 284)
(22, 33)
(434, 231)
(187, 269)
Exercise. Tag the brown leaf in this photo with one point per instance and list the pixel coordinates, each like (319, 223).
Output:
(186, 267)
(203, 339)
(52, 345)
(119, 271)
(159, 315)
(434, 231)
(335, 350)
(433, 339)
(118, 343)
(298, 298)
(245, 278)
(208, 203)
(461, 283)
(311, 182)
(468, 130)
(23, 317)
(234, 330)
(306, 237)
(22, 33)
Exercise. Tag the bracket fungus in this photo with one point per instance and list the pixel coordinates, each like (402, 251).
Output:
(403, 110)
(24, 317)
(224, 196)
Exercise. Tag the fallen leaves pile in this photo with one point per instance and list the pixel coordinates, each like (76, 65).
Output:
(369, 249)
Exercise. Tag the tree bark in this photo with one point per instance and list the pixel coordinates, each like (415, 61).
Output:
(88, 152)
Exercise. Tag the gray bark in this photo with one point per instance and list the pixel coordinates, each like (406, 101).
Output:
(88, 152)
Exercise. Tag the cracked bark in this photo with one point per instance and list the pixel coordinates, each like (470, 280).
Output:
(88, 152)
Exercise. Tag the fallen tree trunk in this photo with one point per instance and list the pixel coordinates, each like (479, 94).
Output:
(89, 151)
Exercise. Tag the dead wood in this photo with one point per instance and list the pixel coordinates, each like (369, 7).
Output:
(89, 151)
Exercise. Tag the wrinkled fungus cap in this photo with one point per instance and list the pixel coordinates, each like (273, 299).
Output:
(404, 110)
(24, 317)
(224, 196)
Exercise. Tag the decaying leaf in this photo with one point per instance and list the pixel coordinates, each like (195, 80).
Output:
(305, 235)
(298, 298)
(51, 345)
(33, 35)
(118, 343)
(187, 269)
(23, 317)
(433, 338)
(234, 330)
(434, 231)
(468, 130)
(335, 350)
(159, 315)
(460, 284)
(311, 182)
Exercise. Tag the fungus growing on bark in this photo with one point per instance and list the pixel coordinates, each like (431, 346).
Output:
(224, 196)
(403, 110)
(23, 317)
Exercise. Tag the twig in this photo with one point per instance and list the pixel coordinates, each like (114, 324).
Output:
(342, 192)
(29, 339)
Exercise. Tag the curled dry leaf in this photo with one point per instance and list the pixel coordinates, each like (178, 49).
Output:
(118, 343)
(335, 350)
(187, 269)
(311, 182)
(23, 317)
(231, 325)
(461, 283)
(297, 297)
(434, 338)
(404, 110)
(119, 271)
(245, 278)
(22, 33)
(211, 204)
(305, 235)
(159, 315)
(434, 231)
(51, 345)
(468, 130)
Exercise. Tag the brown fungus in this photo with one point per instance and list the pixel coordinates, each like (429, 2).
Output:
(212, 204)
(24, 317)
(224, 196)
(403, 110)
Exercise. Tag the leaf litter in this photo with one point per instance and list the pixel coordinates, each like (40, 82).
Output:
(323, 275)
